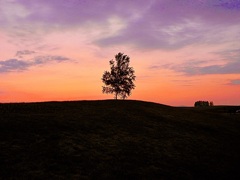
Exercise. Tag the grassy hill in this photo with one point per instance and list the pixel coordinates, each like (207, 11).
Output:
(117, 140)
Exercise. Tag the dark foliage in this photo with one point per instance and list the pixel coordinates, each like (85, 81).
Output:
(201, 104)
(119, 80)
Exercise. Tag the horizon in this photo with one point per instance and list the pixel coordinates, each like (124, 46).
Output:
(94, 100)
(181, 51)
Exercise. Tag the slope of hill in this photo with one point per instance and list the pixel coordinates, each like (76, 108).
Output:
(117, 140)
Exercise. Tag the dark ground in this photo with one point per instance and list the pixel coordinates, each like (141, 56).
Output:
(118, 140)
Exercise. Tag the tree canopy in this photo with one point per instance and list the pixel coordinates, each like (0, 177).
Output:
(119, 80)
(203, 104)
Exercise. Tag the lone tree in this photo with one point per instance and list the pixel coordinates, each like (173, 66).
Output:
(119, 80)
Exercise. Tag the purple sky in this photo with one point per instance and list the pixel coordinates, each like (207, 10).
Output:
(196, 38)
(154, 24)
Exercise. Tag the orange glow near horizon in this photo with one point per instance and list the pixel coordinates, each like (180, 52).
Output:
(32, 87)
(82, 81)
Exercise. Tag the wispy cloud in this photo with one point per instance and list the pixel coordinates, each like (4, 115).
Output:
(169, 24)
(13, 65)
(227, 62)
(231, 5)
(24, 52)
(46, 59)
(234, 82)
(193, 69)
(176, 24)
(229, 54)
(145, 34)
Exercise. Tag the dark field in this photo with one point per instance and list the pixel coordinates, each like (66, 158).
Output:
(118, 140)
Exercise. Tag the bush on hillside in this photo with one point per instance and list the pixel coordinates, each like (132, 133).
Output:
(202, 104)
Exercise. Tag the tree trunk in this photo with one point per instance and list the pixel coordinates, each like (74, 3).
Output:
(116, 96)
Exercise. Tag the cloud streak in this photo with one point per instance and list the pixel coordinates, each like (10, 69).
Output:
(17, 65)
(13, 65)
(176, 24)
(151, 24)
(234, 82)
(20, 54)
(229, 58)
(190, 69)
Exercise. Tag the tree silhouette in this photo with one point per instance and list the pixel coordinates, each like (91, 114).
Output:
(119, 80)
(201, 104)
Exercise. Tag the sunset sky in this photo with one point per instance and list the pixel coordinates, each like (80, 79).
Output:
(182, 51)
